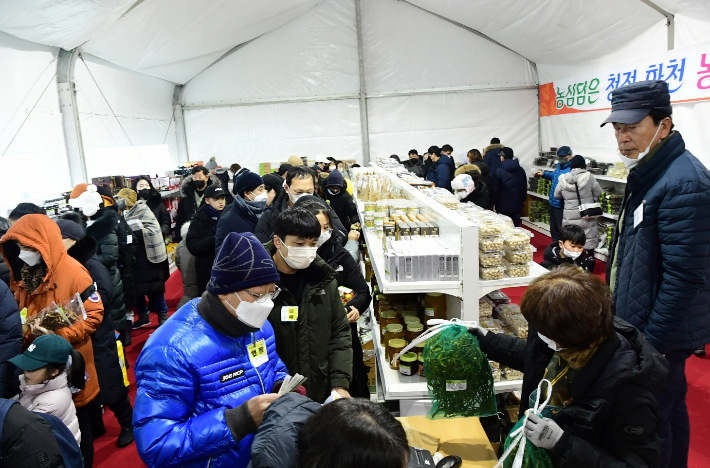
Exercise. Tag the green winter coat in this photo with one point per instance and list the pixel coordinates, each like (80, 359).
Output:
(318, 345)
(104, 231)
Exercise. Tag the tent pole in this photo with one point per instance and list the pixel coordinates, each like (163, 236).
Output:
(364, 129)
(180, 133)
(70, 116)
(670, 22)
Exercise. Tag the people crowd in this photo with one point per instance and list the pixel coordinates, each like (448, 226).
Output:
(262, 259)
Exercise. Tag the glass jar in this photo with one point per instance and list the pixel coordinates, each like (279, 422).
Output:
(420, 360)
(408, 313)
(370, 206)
(387, 317)
(370, 222)
(408, 364)
(413, 331)
(435, 306)
(412, 320)
(393, 330)
(395, 346)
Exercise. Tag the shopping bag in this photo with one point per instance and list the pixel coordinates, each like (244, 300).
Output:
(517, 451)
(458, 374)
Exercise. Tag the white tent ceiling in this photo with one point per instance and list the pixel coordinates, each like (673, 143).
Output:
(177, 39)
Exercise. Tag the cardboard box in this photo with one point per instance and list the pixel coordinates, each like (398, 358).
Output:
(463, 437)
(264, 168)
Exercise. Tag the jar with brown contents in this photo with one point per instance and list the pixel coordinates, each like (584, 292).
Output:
(393, 330)
(408, 364)
(387, 317)
(413, 331)
(435, 306)
(420, 360)
(395, 346)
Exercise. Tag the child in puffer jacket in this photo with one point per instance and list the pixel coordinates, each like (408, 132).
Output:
(51, 367)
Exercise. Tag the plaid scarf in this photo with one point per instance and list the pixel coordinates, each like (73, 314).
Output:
(152, 235)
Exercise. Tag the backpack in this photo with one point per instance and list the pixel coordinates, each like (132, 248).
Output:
(67, 443)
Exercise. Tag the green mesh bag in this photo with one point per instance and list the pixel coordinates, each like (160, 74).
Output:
(458, 375)
(533, 457)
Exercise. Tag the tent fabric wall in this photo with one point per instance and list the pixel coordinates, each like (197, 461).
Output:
(249, 135)
(314, 55)
(465, 120)
(142, 104)
(31, 135)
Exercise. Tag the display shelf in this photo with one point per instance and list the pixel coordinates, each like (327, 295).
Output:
(536, 270)
(403, 387)
(544, 197)
(542, 228)
(374, 245)
(538, 195)
(601, 254)
(598, 177)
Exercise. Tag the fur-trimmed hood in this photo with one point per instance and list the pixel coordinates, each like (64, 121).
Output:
(493, 146)
(186, 186)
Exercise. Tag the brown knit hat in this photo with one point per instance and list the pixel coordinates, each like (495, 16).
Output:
(129, 195)
(78, 190)
(295, 161)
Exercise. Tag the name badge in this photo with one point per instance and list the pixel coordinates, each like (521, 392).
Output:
(638, 214)
(257, 353)
(129, 239)
(289, 313)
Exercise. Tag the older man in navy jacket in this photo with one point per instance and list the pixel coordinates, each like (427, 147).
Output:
(659, 268)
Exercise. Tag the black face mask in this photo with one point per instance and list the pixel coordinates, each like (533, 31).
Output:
(199, 183)
(144, 193)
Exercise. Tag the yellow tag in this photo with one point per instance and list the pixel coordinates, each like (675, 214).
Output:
(257, 353)
(23, 316)
(289, 313)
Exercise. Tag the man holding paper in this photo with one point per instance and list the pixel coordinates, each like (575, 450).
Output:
(207, 376)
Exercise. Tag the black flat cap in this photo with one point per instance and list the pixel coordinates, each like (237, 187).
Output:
(633, 102)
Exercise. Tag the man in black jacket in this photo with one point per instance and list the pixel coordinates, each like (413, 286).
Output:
(200, 239)
(192, 191)
(340, 200)
(28, 440)
(415, 163)
(509, 190)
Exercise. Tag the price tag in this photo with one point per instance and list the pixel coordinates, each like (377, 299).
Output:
(429, 312)
(257, 353)
(455, 385)
(289, 313)
(129, 239)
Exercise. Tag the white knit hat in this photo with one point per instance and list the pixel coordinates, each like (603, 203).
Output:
(88, 202)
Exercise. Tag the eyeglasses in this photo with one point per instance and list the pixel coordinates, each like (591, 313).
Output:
(263, 297)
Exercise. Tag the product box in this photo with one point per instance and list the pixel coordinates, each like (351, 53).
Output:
(264, 168)
(390, 267)
(434, 229)
(415, 230)
(405, 232)
(105, 181)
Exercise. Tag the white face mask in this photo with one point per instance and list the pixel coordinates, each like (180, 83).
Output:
(550, 344)
(631, 163)
(299, 257)
(261, 197)
(324, 237)
(252, 314)
(461, 194)
(294, 198)
(332, 168)
(570, 254)
(30, 258)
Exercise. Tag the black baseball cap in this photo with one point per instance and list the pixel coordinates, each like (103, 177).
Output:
(214, 191)
(633, 102)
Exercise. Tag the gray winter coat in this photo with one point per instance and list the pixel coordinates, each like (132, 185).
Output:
(589, 192)
(185, 262)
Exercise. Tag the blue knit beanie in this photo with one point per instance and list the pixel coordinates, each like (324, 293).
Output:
(247, 182)
(242, 262)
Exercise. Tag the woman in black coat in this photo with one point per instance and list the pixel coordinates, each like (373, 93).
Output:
(348, 274)
(145, 190)
(113, 393)
(200, 240)
(604, 374)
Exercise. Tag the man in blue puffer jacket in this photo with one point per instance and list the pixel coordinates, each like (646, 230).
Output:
(564, 156)
(659, 269)
(206, 377)
(441, 170)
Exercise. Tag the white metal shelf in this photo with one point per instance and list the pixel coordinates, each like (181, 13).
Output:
(403, 387)
(598, 177)
(542, 228)
(536, 270)
(538, 195)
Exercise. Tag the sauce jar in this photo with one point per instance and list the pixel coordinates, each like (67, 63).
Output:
(413, 331)
(408, 364)
(393, 330)
(395, 346)
(435, 306)
(387, 317)
(420, 360)
(412, 320)
(409, 313)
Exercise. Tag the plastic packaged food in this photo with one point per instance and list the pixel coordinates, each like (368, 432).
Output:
(511, 374)
(491, 325)
(370, 206)
(485, 307)
(491, 272)
(490, 258)
(518, 324)
(496, 375)
(494, 365)
(503, 310)
(490, 243)
(517, 239)
(524, 255)
(517, 270)
(498, 297)
(488, 226)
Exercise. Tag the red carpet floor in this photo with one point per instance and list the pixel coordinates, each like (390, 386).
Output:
(107, 455)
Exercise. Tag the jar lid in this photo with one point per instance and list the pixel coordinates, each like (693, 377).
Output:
(408, 320)
(420, 345)
(415, 327)
(394, 328)
(420, 356)
(408, 357)
(397, 343)
(388, 313)
(434, 294)
(381, 297)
